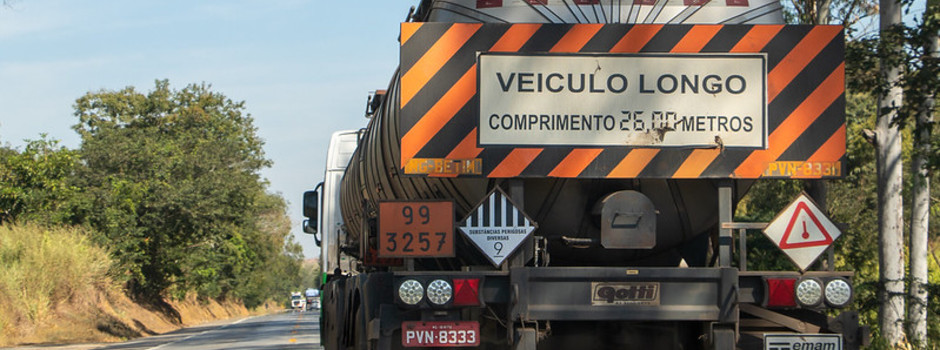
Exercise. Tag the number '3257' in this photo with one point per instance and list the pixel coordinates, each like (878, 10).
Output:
(408, 241)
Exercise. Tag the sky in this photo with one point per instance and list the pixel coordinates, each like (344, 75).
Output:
(303, 67)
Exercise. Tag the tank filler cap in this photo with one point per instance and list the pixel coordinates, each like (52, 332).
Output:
(628, 221)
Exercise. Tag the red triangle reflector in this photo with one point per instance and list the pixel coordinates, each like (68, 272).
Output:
(780, 292)
(466, 291)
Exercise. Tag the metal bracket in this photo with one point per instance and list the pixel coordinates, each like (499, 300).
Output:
(724, 215)
(781, 319)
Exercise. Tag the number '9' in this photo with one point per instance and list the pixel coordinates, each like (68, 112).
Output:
(408, 213)
(425, 214)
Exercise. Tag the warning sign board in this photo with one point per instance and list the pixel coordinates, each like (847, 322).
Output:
(621, 101)
(497, 227)
(802, 231)
(655, 100)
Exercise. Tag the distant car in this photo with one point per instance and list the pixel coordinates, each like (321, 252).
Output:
(313, 298)
(297, 301)
(313, 304)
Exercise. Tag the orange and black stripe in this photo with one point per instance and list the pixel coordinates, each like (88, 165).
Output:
(439, 105)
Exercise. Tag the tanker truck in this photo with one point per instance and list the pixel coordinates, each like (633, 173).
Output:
(562, 174)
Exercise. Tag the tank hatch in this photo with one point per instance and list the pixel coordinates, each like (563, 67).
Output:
(628, 221)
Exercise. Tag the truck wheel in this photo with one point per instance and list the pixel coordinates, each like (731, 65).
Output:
(361, 336)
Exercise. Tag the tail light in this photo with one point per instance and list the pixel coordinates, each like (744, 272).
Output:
(809, 292)
(838, 292)
(410, 292)
(466, 291)
(780, 292)
(439, 292)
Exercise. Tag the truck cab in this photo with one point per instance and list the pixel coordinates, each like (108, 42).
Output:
(321, 206)
(297, 301)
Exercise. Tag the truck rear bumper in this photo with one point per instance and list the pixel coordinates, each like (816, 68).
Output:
(641, 294)
(723, 305)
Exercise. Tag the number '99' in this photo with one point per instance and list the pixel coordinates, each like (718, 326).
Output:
(423, 213)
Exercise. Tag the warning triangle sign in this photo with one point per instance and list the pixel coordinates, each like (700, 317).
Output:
(802, 231)
(810, 232)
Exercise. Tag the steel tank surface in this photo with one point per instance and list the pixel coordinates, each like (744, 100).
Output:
(687, 209)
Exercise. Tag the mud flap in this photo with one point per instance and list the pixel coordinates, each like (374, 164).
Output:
(525, 339)
(722, 338)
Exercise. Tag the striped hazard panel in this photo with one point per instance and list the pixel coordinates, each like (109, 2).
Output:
(504, 100)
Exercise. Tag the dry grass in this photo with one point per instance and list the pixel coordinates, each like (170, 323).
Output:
(43, 267)
(55, 288)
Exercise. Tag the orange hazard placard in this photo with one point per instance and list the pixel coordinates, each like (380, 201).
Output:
(416, 229)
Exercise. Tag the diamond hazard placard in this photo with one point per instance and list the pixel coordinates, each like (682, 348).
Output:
(497, 227)
(802, 231)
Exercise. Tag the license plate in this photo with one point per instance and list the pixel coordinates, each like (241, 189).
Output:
(440, 334)
(802, 341)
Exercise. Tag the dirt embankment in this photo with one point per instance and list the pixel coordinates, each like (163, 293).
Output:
(55, 288)
(110, 316)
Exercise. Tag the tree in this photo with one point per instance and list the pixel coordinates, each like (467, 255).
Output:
(174, 186)
(34, 183)
(887, 138)
(842, 12)
(922, 85)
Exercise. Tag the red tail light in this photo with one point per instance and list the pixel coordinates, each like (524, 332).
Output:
(466, 291)
(780, 292)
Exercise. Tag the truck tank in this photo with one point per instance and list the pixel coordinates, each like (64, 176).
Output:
(566, 209)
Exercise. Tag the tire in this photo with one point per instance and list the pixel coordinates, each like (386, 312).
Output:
(361, 334)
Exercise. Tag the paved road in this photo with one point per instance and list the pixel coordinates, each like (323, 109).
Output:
(286, 330)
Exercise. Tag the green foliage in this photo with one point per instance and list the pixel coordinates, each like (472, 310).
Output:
(173, 186)
(909, 48)
(34, 183)
(310, 276)
(853, 201)
(762, 203)
(844, 12)
(169, 181)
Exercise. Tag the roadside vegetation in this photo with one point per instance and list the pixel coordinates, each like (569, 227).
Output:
(45, 267)
(162, 202)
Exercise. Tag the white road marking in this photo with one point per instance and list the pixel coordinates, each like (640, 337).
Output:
(201, 333)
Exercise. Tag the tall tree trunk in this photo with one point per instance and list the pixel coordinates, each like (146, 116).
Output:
(920, 206)
(890, 221)
(822, 11)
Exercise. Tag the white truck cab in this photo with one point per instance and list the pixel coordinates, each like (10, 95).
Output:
(324, 211)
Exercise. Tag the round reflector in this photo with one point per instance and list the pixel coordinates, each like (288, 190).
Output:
(411, 292)
(440, 292)
(838, 292)
(809, 292)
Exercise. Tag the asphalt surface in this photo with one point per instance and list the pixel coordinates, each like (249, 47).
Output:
(285, 330)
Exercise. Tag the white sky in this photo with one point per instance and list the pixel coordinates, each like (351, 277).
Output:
(304, 67)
